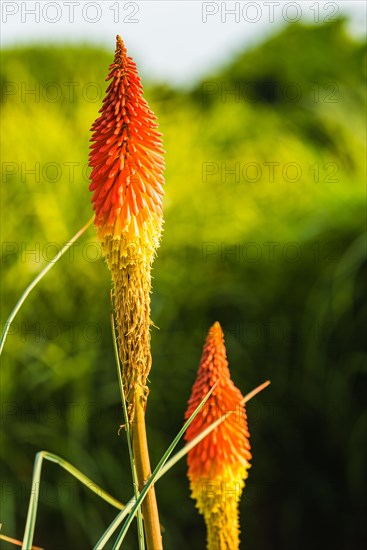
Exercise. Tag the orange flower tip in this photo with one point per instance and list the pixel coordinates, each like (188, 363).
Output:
(120, 51)
(126, 157)
(215, 335)
(216, 329)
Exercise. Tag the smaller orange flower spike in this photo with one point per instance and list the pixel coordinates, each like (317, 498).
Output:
(217, 466)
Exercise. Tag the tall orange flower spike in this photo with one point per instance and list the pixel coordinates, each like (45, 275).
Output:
(217, 466)
(127, 164)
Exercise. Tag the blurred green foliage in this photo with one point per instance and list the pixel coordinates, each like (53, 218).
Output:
(279, 261)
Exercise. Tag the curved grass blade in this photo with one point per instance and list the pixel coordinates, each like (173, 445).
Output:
(35, 282)
(159, 466)
(127, 429)
(33, 501)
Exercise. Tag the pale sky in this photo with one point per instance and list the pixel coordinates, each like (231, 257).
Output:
(173, 41)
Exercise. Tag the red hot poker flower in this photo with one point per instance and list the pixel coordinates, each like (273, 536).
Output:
(127, 164)
(217, 466)
(126, 158)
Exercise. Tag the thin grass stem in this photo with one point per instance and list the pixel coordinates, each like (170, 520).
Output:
(128, 432)
(35, 282)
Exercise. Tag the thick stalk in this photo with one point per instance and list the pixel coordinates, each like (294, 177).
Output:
(142, 463)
